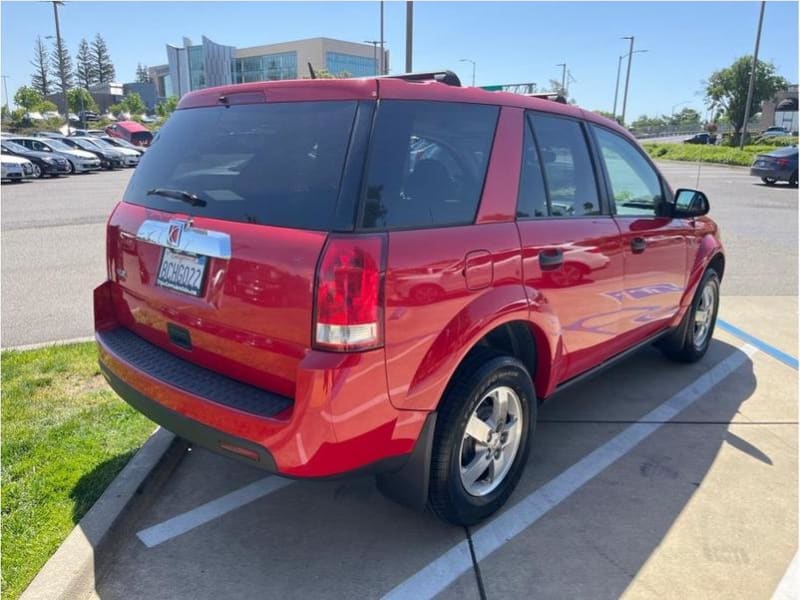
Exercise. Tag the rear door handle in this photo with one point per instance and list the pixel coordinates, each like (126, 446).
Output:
(551, 259)
(638, 245)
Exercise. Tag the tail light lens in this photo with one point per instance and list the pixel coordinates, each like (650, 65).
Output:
(782, 162)
(349, 298)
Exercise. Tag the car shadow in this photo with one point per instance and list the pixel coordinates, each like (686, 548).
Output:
(91, 486)
(343, 539)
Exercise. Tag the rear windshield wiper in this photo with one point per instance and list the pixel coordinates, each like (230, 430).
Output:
(182, 195)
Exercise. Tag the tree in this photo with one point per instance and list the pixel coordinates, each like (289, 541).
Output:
(85, 71)
(645, 123)
(80, 99)
(61, 62)
(726, 89)
(40, 80)
(688, 118)
(606, 114)
(167, 107)
(103, 67)
(28, 98)
(46, 106)
(133, 104)
(142, 76)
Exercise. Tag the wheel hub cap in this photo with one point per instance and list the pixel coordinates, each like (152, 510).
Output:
(704, 315)
(491, 441)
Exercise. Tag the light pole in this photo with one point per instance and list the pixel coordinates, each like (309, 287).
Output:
(752, 76)
(563, 76)
(469, 60)
(409, 34)
(616, 87)
(374, 52)
(383, 54)
(5, 88)
(627, 78)
(62, 73)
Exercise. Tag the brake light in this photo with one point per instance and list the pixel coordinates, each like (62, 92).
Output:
(349, 300)
(782, 162)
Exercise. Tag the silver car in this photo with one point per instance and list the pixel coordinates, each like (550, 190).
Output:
(78, 161)
(130, 158)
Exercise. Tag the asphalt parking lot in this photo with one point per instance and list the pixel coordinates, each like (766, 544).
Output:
(653, 480)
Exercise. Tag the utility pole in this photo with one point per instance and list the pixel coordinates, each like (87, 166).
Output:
(383, 54)
(616, 87)
(374, 52)
(752, 76)
(469, 60)
(409, 34)
(627, 79)
(563, 76)
(61, 72)
(5, 88)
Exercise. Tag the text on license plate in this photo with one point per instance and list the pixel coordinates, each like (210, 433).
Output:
(181, 272)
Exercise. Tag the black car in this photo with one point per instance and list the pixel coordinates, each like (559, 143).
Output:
(778, 165)
(701, 138)
(43, 162)
(109, 159)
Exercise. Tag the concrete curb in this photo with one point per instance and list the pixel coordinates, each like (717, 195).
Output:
(37, 345)
(70, 572)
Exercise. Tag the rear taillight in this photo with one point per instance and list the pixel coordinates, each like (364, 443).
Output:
(782, 162)
(349, 299)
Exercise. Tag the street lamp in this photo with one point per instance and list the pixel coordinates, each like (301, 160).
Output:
(375, 44)
(563, 76)
(469, 60)
(616, 87)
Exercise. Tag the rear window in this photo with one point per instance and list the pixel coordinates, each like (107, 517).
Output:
(271, 164)
(427, 162)
(141, 137)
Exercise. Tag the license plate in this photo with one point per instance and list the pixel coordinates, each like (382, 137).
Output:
(181, 272)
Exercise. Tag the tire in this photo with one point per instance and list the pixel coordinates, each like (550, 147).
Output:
(473, 394)
(70, 167)
(695, 337)
(37, 171)
(769, 180)
(793, 179)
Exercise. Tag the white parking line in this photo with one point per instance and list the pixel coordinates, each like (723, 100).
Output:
(789, 587)
(435, 577)
(158, 534)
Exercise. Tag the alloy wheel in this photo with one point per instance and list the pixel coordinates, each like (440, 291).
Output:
(491, 441)
(704, 315)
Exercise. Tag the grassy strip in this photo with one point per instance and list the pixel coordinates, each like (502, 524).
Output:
(65, 436)
(724, 155)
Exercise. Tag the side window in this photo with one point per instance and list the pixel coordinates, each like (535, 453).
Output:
(567, 165)
(427, 162)
(532, 199)
(635, 186)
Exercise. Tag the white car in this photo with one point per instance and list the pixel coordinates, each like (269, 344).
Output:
(78, 161)
(15, 168)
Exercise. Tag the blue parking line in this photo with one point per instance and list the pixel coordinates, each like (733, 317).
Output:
(786, 359)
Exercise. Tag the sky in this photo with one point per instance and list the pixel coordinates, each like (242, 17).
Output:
(511, 42)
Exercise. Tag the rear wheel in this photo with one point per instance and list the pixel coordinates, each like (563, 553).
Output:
(698, 325)
(482, 438)
(37, 171)
(769, 180)
(793, 179)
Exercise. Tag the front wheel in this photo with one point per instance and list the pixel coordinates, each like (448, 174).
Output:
(37, 171)
(482, 438)
(698, 325)
(70, 167)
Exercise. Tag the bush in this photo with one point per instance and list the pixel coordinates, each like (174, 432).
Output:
(776, 142)
(711, 154)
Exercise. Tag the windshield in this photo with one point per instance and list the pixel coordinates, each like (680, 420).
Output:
(14, 147)
(86, 144)
(276, 164)
(58, 145)
(102, 143)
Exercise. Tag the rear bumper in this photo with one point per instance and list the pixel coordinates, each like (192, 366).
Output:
(340, 419)
(777, 175)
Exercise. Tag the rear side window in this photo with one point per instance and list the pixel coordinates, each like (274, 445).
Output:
(272, 164)
(141, 137)
(567, 165)
(427, 163)
(532, 199)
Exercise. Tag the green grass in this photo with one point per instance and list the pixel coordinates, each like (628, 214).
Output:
(724, 155)
(65, 436)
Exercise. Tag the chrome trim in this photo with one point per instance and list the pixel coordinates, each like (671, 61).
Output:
(195, 241)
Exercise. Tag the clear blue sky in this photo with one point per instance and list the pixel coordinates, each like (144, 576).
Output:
(511, 41)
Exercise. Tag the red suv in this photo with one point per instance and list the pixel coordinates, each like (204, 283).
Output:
(387, 275)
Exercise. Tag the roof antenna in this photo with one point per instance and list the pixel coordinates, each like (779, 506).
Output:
(311, 71)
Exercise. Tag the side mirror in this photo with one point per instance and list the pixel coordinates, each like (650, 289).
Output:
(689, 204)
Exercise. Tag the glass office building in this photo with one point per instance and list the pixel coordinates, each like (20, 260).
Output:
(208, 64)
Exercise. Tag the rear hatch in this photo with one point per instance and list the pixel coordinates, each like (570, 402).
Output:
(213, 251)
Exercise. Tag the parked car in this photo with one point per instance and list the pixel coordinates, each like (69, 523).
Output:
(775, 132)
(261, 266)
(778, 165)
(42, 163)
(701, 138)
(133, 132)
(130, 158)
(77, 161)
(109, 158)
(120, 143)
(15, 169)
(85, 132)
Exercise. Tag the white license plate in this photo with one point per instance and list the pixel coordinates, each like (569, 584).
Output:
(181, 272)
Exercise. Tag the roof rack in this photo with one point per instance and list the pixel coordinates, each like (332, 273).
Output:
(553, 96)
(446, 77)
